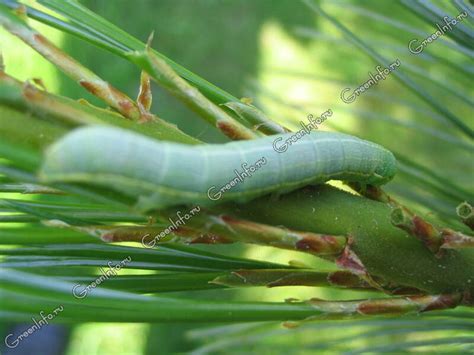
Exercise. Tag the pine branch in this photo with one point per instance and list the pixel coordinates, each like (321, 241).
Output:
(164, 74)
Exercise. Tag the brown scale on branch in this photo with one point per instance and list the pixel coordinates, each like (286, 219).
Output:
(348, 260)
(409, 304)
(414, 304)
(145, 98)
(456, 240)
(416, 226)
(245, 231)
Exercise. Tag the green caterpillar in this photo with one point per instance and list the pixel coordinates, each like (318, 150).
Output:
(164, 174)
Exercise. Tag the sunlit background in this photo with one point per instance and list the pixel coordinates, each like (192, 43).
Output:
(291, 63)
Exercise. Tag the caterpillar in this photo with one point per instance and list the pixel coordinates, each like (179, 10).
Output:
(164, 174)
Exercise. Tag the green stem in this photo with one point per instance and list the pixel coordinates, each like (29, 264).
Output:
(192, 97)
(385, 251)
(434, 238)
(259, 121)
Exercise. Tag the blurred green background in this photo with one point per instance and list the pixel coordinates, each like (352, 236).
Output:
(291, 63)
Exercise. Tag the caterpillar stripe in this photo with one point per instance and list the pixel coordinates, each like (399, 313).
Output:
(163, 174)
